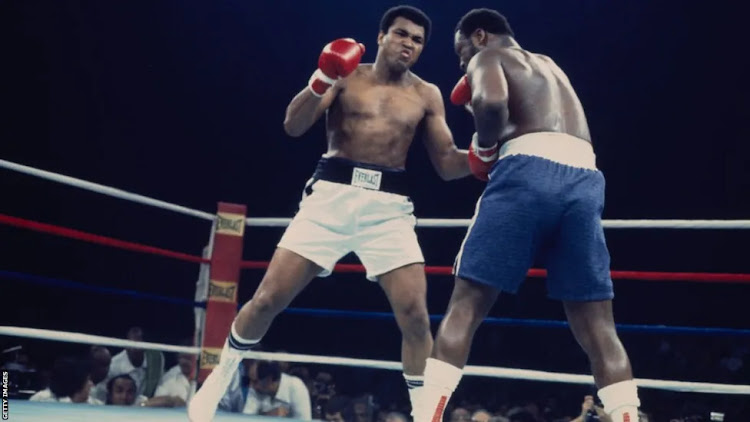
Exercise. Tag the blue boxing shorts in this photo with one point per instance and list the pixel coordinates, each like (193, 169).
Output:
(543, 203)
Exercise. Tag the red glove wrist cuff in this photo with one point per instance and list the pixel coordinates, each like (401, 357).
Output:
(319, 83)
(488, 154)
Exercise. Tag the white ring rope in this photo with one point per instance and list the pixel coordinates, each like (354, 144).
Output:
(91, 339)
(608, 224)
(282, 222)
(483, 371)
(105, 190)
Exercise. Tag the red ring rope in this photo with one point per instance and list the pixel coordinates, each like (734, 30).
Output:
(539, 273)
(349, 268)
(94, 238)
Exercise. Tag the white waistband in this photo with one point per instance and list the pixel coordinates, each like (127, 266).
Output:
(558, 147)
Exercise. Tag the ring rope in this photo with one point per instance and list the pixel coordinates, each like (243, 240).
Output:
(80, 338)
(55, 282)
(607, 224)
(539, 273)
(281, 222)
(521, 322)
(485, 371)
(338, 313)
(105, 190)
(95, 238)
(346, 268)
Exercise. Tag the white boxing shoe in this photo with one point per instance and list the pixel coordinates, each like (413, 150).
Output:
(202, 407)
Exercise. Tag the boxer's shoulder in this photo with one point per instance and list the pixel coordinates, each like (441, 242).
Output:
(358, 76)
(429, 92)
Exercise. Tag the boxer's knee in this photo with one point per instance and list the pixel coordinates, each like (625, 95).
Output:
(607, 355)
(458, 326)
(611, 353)
(413, 317)
(268, 302)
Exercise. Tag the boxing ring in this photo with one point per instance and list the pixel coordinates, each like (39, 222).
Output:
(215, 303)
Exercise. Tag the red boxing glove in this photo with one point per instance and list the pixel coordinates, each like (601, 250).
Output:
(338, 59)
(461, 94)
(481, 159)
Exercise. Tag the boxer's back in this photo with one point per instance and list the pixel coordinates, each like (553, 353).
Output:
(540, 96)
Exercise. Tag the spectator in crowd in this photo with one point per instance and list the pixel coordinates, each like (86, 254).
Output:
(121, 391)
(364, 408)
(520, 414)
(589, 409)
(273, 393)
(21, 361)
(100, 362)
(338, 409)
(174, 387)
(236, 395)
(481, 415)
(396, 417)
(323, 388)
(145, 367)
(460, 414)
(70, 383)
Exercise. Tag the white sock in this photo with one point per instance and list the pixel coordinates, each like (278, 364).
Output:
(621, 401)
(415, 384)
(440, 381)
(239, 343)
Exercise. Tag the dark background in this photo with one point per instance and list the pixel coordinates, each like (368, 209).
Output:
(184, 101)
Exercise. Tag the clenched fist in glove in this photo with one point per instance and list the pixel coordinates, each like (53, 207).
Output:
(338, 59)
(481, 159)
(461, 94)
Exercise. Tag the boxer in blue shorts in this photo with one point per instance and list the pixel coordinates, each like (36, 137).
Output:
(357, 199)
(543, 200)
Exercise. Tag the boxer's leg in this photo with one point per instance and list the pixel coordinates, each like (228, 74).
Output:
(406, 289)
(309, 247)
(578, 275)
(495, 256)
(390, 252)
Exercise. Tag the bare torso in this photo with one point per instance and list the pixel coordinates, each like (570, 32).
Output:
(373, 122)
(540, 96)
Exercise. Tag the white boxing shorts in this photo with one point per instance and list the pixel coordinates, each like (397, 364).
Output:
(350, 206)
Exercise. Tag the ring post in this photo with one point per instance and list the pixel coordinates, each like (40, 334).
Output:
(221, 307)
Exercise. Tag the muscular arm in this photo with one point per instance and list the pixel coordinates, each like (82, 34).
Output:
(305, 109)
(489, 98)
(449, 161)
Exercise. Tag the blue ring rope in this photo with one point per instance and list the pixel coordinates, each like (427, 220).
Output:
(48, 281)
(509, 322)
(537, 323)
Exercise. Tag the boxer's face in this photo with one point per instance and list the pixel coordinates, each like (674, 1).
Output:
(465, 48)
(402, 44)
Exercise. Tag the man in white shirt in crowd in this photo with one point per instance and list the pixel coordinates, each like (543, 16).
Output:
(175, 384)
(273, 393)
(146, 368)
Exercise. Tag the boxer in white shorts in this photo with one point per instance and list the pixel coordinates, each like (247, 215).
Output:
(350, 206)
(357, 199)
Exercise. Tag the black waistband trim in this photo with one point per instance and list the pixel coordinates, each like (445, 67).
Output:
(362, 175)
